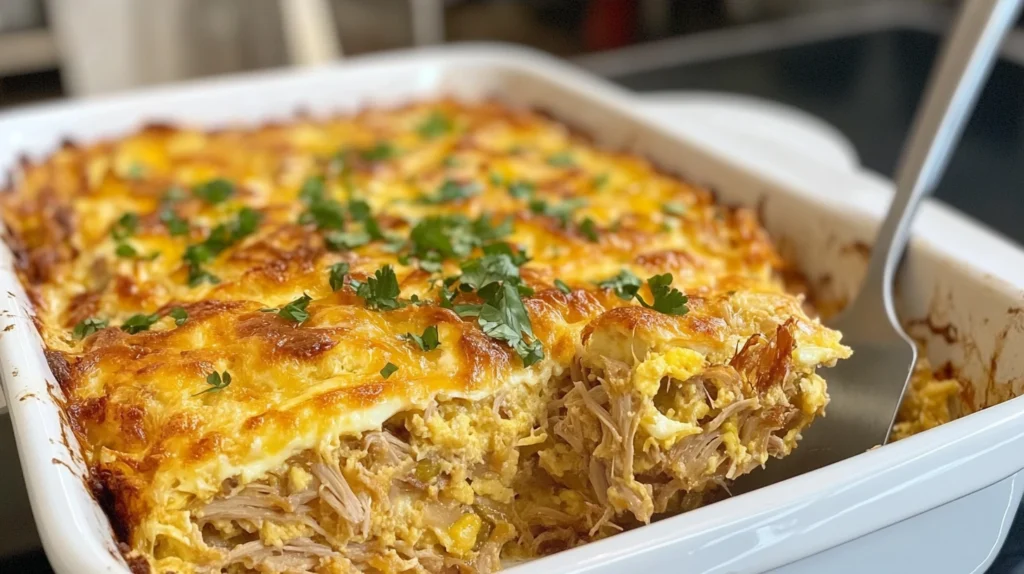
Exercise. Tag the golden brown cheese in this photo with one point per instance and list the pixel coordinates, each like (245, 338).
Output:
(106, 232)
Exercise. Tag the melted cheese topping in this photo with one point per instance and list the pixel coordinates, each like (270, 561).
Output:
(160, 446)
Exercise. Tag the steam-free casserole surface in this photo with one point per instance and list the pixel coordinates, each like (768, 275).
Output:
(431, 337)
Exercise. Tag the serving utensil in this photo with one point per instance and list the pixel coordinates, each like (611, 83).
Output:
(866, 389)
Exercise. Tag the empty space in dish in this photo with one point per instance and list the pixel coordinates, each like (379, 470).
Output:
(961, 300)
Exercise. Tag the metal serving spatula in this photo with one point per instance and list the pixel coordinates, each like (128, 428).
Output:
(866, 389)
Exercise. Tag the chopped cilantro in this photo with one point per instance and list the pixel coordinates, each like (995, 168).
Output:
(197, 276)
(562, 159)
(175, 224)
(428, 341)
(214, 191)
(667, 299)
(518, 256)
(126, 250)
(296, 310)
(495, 178)
(220, 238)
(589, 229)
(562, 211)
(380, 291)
(674, 208)
(600, 181)
(625, 284)
(436, 124)
(216, 381)
(502, 315)
(561, 286)
(359, 210)
(453, 236)
(312, 189)
(388, 370)
(89, 326)
(380, 152)
(345, 240)
(179, 314)
(336, 275)
(138, 323)
(325, 213)
(521, 189)
(451, 191)
(125, 226)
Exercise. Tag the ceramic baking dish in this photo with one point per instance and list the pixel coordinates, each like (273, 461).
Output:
(959, 288)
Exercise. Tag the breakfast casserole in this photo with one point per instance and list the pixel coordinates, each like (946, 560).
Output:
(440, 337)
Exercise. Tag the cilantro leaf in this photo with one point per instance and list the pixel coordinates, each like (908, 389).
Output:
(589, 230)
(561, 286)
(521, 189)
(667, 299)
(220, 238)
(336, 275)
(325, 213)
(126, 250)
(674, 208)
(428, 341)
(214, 191)
(435, 125)
(518, 256)
(89, 326)
(451, 190)
(296, 310)
(346, 240)
(179, 314)
(197, 276)
(453, 236)
(562, 211)
(625, 284)
(388, 370)
(175, 224)
(312, 190)
(380, 152)
(125, 226)
(562, 159)
(478, 273)
(217, 382)
(380, 291)
(600, 181)
(138, 323)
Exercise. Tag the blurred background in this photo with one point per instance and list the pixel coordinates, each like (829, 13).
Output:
(835, 80)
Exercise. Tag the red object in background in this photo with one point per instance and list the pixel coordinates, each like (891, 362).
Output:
(609, 24)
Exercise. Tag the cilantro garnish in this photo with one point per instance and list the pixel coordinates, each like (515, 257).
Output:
(126, 250)
(380, 291)
(495, 178)
(562, 159)
(589, 229)
(379, 152)
(435, 125)
(561, 286)
(89, 326)
(502, 316)
(220, 238)
(451, 191)
(214, 191)
(216, 381)
(453, 236)
(179, 314)
(521, 189)
(625, 284)
(345, 240)
(388, 370)
(326, 214)
(562, 211)
(600, 181)
(125, 226)
(138, 323)
(175, 224)
(667, 299)
(296, 309)
(361, 212)
(674, 208)
(428, 341)
(336, 275)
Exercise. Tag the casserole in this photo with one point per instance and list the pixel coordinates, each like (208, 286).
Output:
(821, 244)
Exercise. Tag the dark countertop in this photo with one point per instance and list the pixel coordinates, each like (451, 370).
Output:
(868, 86)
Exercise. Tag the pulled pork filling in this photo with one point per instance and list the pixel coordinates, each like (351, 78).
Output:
(462, 486)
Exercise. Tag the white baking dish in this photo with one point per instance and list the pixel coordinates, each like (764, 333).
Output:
(956, 272)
